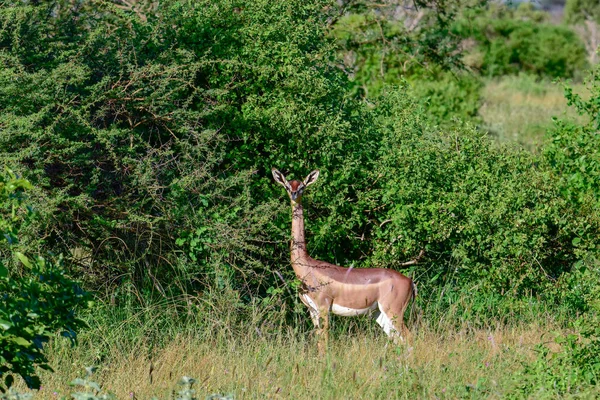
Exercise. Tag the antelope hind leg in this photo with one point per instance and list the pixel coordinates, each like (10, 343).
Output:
(389, 325)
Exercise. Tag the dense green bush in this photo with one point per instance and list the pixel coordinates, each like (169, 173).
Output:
(380, 44)
(446, 96)
(36, 301)
(574, 149)
(491, 218)
(379, 48)
(163, 143)
(574, 370)
(578, 11)
(510, 42)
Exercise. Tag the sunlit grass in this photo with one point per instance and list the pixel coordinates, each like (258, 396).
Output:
(519, 109)
(361, 363)
(267, 350)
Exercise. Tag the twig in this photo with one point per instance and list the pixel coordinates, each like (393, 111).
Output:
(415, 261)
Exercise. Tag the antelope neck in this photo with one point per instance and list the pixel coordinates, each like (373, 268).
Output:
(298, 245)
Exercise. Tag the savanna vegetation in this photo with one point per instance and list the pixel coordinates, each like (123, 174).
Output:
(140, 220)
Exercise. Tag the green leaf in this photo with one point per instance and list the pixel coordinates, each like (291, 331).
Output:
(3, 271)
(6, 325)
(576, 241)
(21, 341)
(23, 258)
(78, 382)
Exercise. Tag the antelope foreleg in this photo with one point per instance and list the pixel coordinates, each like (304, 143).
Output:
(323, 331)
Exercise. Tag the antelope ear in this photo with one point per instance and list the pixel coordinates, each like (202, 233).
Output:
(311, 178)
(280, 178)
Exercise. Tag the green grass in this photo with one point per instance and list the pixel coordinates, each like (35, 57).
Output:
(520, 109)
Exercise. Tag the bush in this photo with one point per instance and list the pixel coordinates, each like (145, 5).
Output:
(164, 143)
(386, 47)
(491, 218)
(573, 151)
(510, 42)
(34, 302)
(382, 44)
(445, 96)
(152, 162)
(572, 371)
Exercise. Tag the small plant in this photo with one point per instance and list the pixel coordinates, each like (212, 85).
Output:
(219, 397)
(90, 389)
(12, 394)
(186, 393)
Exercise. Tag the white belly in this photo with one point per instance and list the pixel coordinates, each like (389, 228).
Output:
(350, 312)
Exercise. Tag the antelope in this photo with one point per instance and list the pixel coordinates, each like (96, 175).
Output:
(327, 288)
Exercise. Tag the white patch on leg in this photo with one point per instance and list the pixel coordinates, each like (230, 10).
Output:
(312, 308)
(388, 327)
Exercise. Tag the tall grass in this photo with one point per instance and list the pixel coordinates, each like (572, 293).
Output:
(359, 364)
(260, 351)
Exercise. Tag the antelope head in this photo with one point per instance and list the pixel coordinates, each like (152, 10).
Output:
(295, 189)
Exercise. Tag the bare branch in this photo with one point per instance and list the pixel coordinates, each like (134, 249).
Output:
(415, 261)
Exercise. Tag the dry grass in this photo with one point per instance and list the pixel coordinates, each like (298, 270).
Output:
(452, 364)
(520, 109)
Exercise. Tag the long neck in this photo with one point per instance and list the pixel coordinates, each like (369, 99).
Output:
(298, 245)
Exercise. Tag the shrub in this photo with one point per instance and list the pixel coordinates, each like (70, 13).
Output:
(572, 371)
(573, 151)
(445, 96)
(508, 44)
(152, 162)
(34, 302)
(163, 144)
(491, 218)
(388, 46)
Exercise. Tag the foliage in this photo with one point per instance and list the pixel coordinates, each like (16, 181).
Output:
(12, 394)
(579, 291)
(574, 370)
(90, 390)
(386, 44)
(152, 161)
(573, 159)
(574, 151)
(491, 214)
(578, 11)
(149, 130)
(34, 302)
(381, 45)
(163, 143)
(446, 96)
(509, 42)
